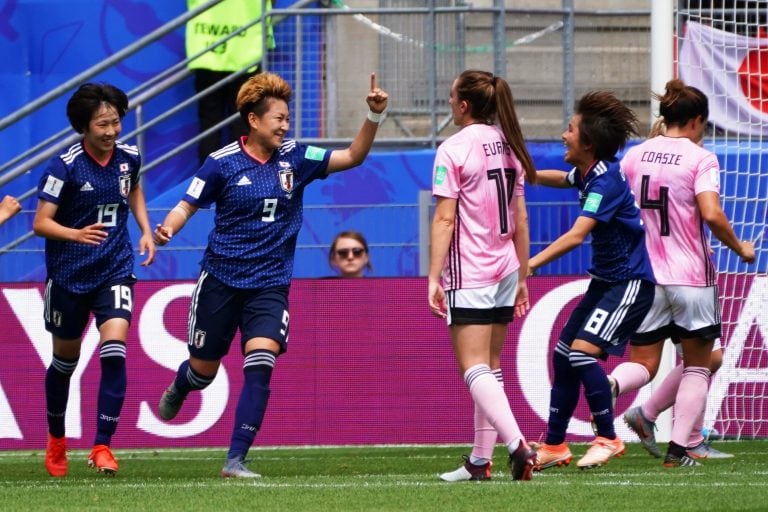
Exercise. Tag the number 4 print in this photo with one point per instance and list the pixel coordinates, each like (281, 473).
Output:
(661, 204)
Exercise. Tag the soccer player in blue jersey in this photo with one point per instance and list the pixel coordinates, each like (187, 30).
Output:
(83, 200)
(622, 287)
(258, 185)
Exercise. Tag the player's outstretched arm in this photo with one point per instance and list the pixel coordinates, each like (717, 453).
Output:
(568, 241)
(174, 221)
(553, 178)
(354, 155)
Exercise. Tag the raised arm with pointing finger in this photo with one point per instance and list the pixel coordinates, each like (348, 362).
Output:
(257, 184)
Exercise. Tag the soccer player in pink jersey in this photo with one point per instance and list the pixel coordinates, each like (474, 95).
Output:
(479, 256)
(677, 183)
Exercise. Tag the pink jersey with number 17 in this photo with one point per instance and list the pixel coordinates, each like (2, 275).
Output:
(666, 174)
(478, 168)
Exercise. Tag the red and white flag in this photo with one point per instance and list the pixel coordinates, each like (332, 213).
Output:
(732, 70)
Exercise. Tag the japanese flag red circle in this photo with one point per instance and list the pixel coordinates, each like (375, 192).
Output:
(753, 78)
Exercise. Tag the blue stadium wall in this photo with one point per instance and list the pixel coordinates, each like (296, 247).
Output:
(47, 42)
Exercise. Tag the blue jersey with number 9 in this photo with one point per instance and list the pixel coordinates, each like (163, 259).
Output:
(259, 211)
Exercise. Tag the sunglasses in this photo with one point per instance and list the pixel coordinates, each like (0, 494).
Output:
(344, 253)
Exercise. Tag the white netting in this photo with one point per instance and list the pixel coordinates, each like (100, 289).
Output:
(724, 52)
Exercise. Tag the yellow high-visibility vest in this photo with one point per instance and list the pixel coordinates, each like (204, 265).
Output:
(219, 21)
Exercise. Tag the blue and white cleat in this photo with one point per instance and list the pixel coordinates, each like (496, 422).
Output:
(235, 468)
(704, 450)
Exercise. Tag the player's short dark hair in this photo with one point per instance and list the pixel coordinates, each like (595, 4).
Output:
(87, 100)
(606, 123)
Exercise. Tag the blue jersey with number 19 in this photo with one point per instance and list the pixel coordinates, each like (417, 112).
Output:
(88, 193)
(259, 208)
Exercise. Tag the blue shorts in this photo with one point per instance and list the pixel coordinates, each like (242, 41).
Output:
(609, 314)
(66, 314)
(217, 311)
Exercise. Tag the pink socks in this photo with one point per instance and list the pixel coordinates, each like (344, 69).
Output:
(490, 399)
(689, 403)
(630, 376)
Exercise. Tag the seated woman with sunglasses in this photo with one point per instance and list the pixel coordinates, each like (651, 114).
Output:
(349, 254)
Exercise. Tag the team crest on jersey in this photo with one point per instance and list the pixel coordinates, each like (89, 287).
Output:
(125, 185)
(286, 180)
(124, 167)
(198, 340)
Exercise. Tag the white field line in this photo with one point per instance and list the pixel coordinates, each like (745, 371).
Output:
(360, 482)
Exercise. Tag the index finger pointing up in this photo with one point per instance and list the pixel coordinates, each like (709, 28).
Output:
(373, 82)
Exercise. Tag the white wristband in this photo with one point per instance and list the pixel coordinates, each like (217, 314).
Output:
(375, 117)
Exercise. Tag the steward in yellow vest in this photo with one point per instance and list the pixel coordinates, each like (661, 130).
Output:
(218, 22)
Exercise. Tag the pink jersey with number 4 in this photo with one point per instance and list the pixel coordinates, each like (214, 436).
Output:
(479, 169)
(666, 174)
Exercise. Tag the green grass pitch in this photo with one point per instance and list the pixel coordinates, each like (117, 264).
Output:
(390, 478)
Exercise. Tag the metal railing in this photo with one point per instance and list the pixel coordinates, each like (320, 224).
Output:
(417, 47)
(433, 48)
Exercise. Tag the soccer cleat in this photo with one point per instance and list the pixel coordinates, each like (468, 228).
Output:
(600, 452)
(235, 468)
(56, 456)
(644, 429)
(549, 455)
(614, 397)
(522, 461)
(170, 403)
(102, 460)
(673, 461)
(709, 433)
(468, 471)
(704, 450)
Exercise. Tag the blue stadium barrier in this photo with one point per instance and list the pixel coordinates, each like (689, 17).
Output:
(380, 200)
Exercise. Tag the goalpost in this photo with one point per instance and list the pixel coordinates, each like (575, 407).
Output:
(724, 52)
